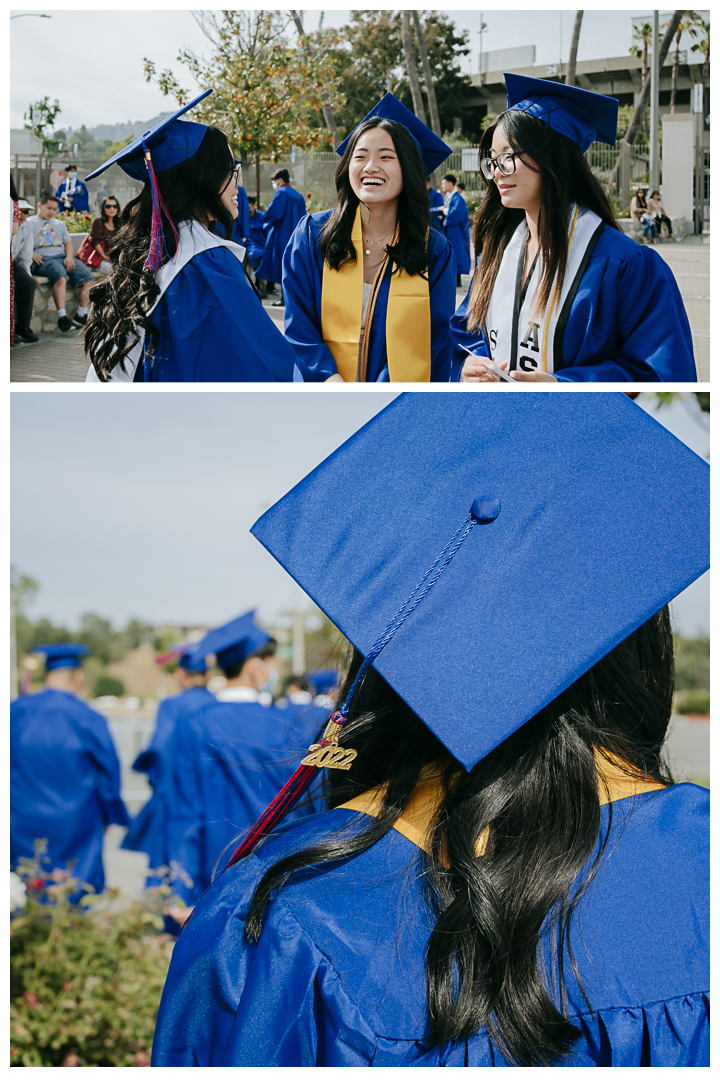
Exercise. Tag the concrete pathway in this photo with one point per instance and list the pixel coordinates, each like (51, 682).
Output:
(59, 357)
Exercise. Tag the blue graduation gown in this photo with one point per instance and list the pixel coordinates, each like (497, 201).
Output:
(79, 195)
(241, 224)
(302, 289)
(148, 831)
(64, 782)
(436, 206)
(338, 976)
(229, 761)
(281, 217)
(256, 239)
(213, 328)
(457, 230)
(626, 323)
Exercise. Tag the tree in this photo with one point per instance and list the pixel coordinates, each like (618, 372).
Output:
(641, 107)
(427, 73)
(267, 91)
(40, 119)
(411, 67)
(572, 61)
(319, 42)
(703, 46)
(686, 25)
(642, 38)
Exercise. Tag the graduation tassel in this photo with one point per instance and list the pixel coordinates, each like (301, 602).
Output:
(328, 753)
(158, 247)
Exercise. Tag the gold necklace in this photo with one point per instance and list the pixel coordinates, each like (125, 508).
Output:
(371, 242)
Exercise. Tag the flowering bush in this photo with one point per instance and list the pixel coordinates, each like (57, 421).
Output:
(86, 977)
(77, 221)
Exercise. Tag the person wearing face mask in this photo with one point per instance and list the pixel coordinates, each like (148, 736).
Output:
(177, 306)
(369, 289)
(560, 294)
(281, 217)
(231, 756)
(72, 193)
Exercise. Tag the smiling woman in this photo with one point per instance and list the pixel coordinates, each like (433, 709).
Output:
(369, 292)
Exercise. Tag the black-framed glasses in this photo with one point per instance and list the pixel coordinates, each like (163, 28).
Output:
(111, 206)
(504, 162)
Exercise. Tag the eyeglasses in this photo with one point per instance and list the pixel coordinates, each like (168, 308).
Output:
(237, 174)
(504, 162)
(111, 206)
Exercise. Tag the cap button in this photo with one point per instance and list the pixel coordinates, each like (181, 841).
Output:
(485, 509)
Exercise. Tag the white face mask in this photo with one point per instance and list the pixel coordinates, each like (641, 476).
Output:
(71, 175)
(270, 685)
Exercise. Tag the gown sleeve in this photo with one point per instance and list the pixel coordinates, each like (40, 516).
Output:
(183, 805)
(213, 328)
(443, 277)
(635, 311)
(302, 289)
(473, 339)
(278, 1003)
(101, 750)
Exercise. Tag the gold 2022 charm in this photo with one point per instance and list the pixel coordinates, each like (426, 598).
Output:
(330, 756)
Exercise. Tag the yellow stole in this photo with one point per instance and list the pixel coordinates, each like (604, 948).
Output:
(407, 319)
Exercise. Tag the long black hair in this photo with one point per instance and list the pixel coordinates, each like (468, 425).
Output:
(410, 252)
(566, 179)
(120, 304)
(538, 797)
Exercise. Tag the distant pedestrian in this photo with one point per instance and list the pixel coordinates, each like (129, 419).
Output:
(72, 193)
(437, 206)
(256, 235)
(281, 217)
(64, 772)
(53, 258)
(457, 225)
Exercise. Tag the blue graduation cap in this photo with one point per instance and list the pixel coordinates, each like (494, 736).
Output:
(578, 114)
(432, 149)
(233, 642)
(496, 547)
(64, 655)
(170, 141)
(193, 660)
(323, 680)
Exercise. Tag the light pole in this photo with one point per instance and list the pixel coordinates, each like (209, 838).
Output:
(483, 27)
(655, 105)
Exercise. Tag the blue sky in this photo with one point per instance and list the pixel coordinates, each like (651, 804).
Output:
(92, 61)
(140, 504)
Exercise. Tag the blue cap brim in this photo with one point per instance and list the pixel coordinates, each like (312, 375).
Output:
(432, 149)
(603, 520)
(131, 157)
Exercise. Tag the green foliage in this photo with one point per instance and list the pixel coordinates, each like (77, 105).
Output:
(40, 119)
(116, 147)
(23, 590)
(86, 978)
(370, 61)
(271, 93)
(325, 646)
(692, 666)
(107, 685)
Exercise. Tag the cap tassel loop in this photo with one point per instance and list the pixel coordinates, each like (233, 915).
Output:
(327, 753)
(158, 247)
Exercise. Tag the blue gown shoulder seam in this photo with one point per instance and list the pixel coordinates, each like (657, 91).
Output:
(640, 1005)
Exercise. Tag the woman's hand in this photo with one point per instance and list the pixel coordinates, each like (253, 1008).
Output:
(532, 376)
(335, 378)
(474, 370)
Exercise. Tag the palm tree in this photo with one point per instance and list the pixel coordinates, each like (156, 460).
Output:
(427, 72)
(703, 46)
(643, 36)
(687, 24)
(418, 106)
(572, 61)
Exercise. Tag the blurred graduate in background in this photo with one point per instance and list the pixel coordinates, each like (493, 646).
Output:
(559, 292)
(178, 306)
(64, 771)
(369, 290)
(286, 209)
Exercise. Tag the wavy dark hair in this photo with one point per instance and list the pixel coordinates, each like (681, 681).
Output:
(566, 179)
(120, 305)
(538, 795)
(410, 252)
(118, 217)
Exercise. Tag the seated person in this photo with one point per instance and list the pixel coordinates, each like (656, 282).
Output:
(22, 250)
(53, 258)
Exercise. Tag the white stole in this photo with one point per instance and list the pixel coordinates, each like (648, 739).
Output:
(193, 238)
(512, 331)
